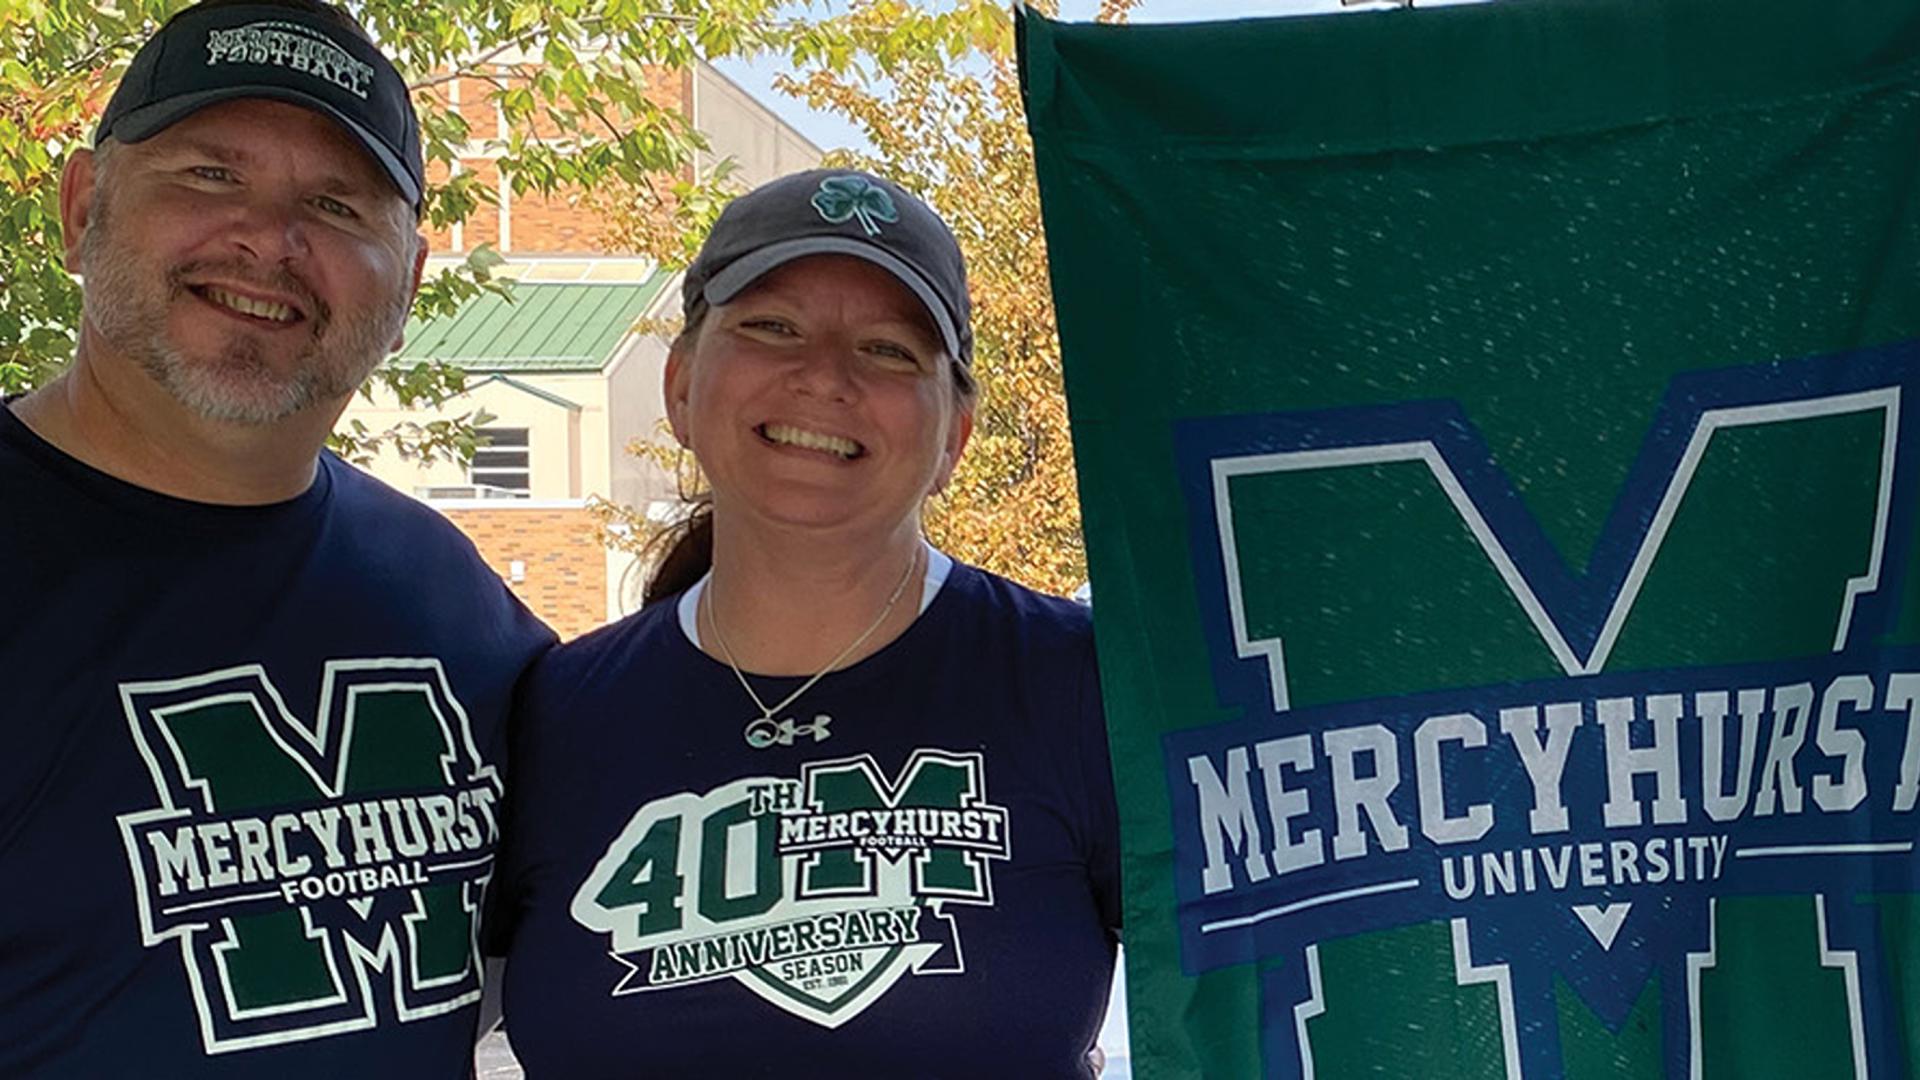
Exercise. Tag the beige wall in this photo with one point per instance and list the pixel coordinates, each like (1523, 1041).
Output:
(635, 410)
(567, 458)
(576, 452)
(761, 145)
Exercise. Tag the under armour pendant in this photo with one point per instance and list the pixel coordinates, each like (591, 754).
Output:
(766, 731)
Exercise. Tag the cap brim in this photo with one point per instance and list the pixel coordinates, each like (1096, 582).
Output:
(153, 118)
(751, 267)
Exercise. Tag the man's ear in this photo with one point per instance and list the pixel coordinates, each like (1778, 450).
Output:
(674, 388)
(413, 289)
(76, 205)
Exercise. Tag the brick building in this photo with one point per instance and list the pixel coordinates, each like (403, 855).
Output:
(563, 371)
(739, 129)
(547, 554)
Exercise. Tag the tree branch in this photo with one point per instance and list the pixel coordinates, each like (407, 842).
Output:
(531, 36)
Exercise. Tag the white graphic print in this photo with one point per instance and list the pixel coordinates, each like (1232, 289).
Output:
(818, 893)
(315, 873)
(291, 46)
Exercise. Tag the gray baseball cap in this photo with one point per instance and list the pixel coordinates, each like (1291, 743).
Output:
(838, 212)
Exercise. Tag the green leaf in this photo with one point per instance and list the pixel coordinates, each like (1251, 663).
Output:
(484, 258)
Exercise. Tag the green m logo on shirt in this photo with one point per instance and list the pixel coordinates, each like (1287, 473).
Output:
(304, 868)
(818, 893)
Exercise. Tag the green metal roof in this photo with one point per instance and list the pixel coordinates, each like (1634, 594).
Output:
(546, 327)
(527, 388)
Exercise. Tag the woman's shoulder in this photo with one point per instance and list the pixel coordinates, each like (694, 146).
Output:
(1037, 617)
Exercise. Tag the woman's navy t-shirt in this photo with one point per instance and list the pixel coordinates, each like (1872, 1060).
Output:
(919, 878)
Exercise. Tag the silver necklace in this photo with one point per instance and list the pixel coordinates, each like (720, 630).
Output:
(763, 731)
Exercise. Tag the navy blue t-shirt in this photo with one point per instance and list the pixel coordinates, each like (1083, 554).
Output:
(920, 879)
(251, 780)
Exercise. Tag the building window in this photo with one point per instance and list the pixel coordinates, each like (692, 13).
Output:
(501, 464)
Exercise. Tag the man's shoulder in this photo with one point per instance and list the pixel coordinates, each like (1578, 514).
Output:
(390, 535)
(369, 502)
(370, 494)
(641, 637)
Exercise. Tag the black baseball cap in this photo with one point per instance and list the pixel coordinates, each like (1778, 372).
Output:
(838, 212)
(219, 52)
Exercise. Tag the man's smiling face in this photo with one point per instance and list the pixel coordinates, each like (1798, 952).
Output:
(251, 258)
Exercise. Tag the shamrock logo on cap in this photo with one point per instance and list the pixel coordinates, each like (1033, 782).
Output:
(843, 197)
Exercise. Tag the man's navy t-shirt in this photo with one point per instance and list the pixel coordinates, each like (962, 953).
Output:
(249, 796)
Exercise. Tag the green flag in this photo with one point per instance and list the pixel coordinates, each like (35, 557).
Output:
(1499, 477)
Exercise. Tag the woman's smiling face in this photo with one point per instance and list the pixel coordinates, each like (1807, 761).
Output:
(819, 397)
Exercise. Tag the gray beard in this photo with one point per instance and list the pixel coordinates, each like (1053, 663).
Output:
(240, 385)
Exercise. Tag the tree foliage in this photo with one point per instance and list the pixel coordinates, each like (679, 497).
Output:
(934, 90)
(568, 76)
(937, 96)
(955, 133)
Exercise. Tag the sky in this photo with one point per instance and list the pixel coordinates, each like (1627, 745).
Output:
(831, 132)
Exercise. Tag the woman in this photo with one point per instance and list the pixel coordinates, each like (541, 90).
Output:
(841, 806)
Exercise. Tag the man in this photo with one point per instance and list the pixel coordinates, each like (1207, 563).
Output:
(254, 745)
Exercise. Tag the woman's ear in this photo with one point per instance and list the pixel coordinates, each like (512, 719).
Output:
(957, 436)
(674, 388)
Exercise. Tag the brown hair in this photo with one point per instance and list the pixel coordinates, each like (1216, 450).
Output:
(688, 543)
(689, 551)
